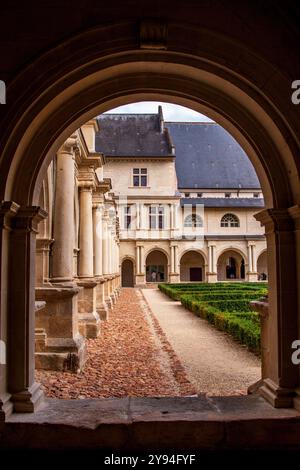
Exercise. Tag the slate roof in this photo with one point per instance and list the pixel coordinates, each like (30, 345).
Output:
(208, 157)
(132, 135)
(235, 202)
(206, 154)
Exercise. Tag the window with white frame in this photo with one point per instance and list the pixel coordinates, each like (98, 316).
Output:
(140, 177)
(230, 220)
(127, 217)
(156, 217)
(193, 220)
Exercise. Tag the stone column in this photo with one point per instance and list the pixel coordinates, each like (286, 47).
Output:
(86, 268)
(89, 321)
(101, 306)
(62, 250)
(8, 210)
(97, 229)
(280, 327)
(138, 271)
(212, 275)
(252, 269)
(105, 244)
(25, 392)
(174, 276)
(140, 274)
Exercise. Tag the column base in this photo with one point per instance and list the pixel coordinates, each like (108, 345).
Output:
(27, 401)
(140, 280)
(88, 318)
(64, 354)
(89, 325)
(278, 397)
(252, 277)
(109, 302)
(212, 277)
(102, 311)
(174, 278)
(6, 406)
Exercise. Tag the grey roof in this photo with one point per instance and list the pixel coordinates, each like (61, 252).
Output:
(132, 135)
(235, 202)
(207, 156)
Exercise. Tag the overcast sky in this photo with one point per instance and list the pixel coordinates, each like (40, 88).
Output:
(171, 112)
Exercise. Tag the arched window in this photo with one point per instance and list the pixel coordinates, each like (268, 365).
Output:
(230, 220)
(193, 220)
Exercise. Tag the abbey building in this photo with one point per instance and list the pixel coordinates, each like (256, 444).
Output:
(131, 200)
(185, 195)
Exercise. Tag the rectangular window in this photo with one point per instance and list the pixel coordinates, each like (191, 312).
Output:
(127, 217)
(140, 177)
(156, 217)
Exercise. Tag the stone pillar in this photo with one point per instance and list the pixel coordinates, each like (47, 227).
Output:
(86, 268)
(174, 275)
(252, 268)
(140, 273)
(62, 250)
(212, 275)
(97, 229)
(26, 394)
(89, 321)
(101, 307)
(105, 244)
(8, 210)
(254, 260)
(280, 327)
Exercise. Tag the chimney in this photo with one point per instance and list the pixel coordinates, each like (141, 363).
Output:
(161, 119)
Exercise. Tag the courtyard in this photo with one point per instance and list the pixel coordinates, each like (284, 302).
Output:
(151, 346)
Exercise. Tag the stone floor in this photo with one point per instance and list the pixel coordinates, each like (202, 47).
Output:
(131, 357)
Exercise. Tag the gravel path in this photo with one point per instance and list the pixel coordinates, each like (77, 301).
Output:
(131, 357)
(214, 362)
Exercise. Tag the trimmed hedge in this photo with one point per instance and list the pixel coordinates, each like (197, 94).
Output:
(226, 307)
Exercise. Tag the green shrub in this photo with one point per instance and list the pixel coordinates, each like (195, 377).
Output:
(232, 316)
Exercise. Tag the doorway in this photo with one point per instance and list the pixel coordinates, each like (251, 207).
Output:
(127, 275)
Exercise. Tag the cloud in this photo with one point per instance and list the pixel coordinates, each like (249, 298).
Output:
(171, 112)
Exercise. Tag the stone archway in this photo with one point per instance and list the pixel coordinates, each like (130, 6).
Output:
(156, 267)
(127, 273)
(192, 267)
(262, 266)
(98, 75)
(231, 266)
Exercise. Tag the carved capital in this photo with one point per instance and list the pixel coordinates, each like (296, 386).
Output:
(295, 214)
(275, 220)
(70, 145)
(8, 210)
(28, 218)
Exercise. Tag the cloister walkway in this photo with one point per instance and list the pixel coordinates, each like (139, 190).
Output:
(151, 346)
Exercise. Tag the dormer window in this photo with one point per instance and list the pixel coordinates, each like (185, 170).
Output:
(140, 176)
(227, 194)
